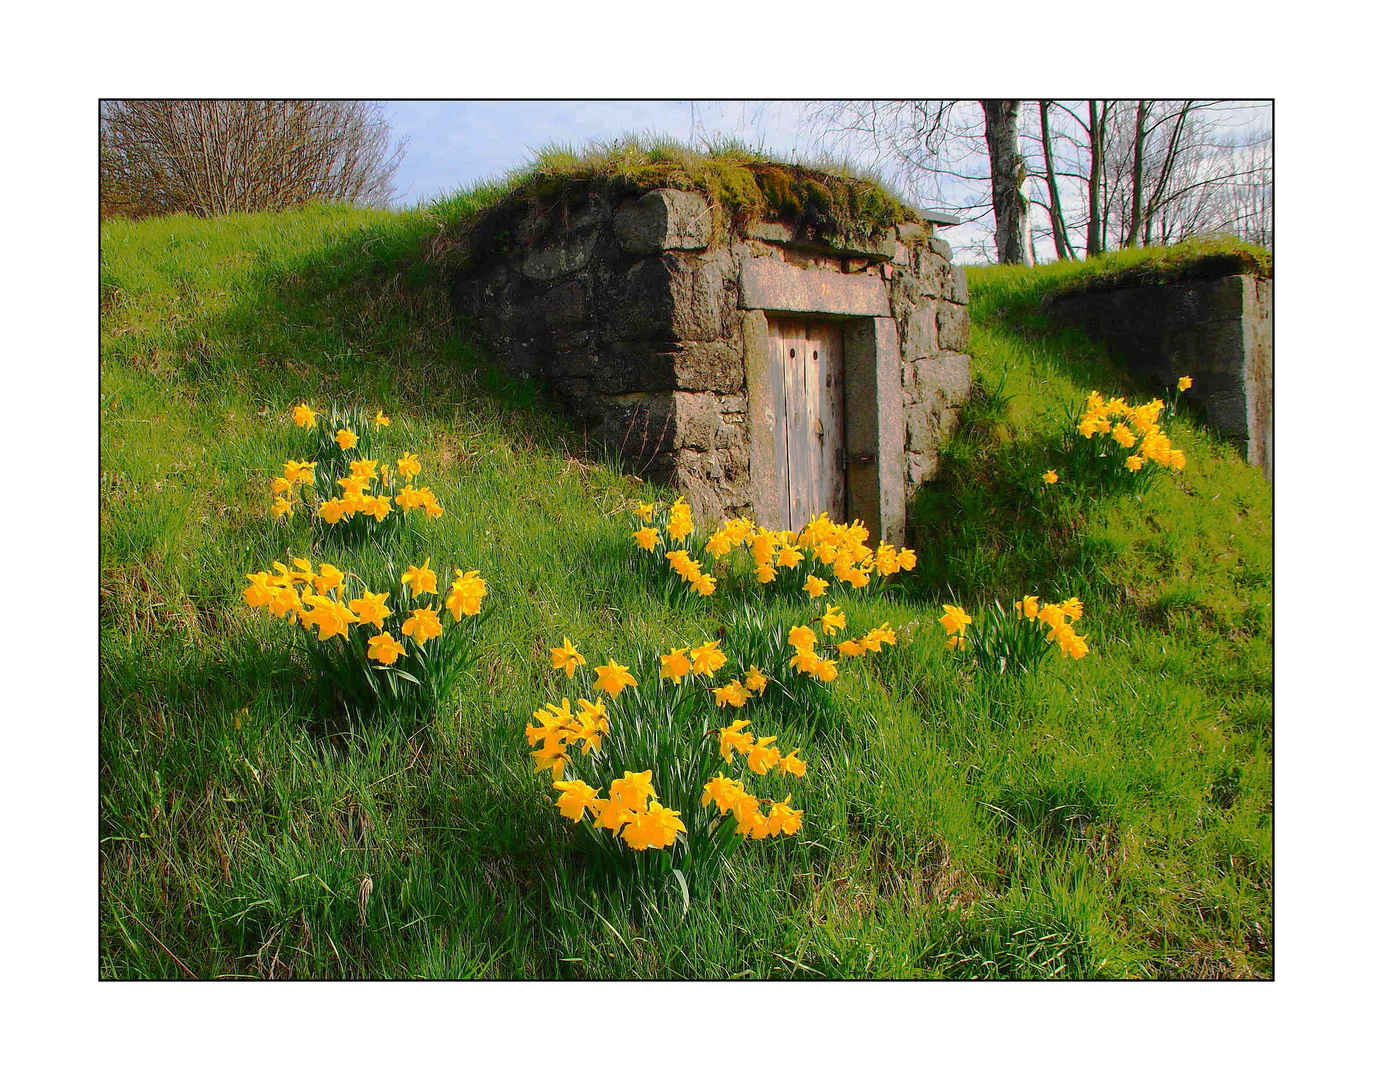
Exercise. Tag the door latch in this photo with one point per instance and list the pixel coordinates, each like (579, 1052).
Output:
(846, 459)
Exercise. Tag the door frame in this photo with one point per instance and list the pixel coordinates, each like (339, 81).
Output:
(874, 419)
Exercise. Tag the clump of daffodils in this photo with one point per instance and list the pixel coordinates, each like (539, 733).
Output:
(1016, 640)
(810, 561)
(350, 485)
(631, 761)
(1120, 444)
(375, 648)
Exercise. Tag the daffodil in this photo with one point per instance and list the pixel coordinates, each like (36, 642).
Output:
(567, 658)
(647, 538)
(420, 579)
(791, 765)
(381, 419)
(1185, 383)
(707, 659)
(260, 591)
(954, 619)
(465, 595)
(576, 799)
(755, 680)
(634, 789)
(408, 466)
(422, 625)
(765, 573)
(762, 756)
(644, 510)
(722, 791)
(1027, 606)
(801, 638)
(703, 585)
(733, 693)
(303, 415)
(328, 579)
(783, 818)
(346, 439)
(280, 507)
(332, 511)
(833, 621)
(384, 648)
(612, 678)
(659, 825)
(1051, 477)
(675, 665)
(826, 670)
(371, 608)
(735, 738)
(815, 586)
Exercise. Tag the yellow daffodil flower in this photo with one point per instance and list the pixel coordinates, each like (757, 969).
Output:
(567, 658)
(420, 579)
(384, 648)
(612, 678)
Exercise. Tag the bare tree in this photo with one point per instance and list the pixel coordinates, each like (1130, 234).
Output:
(223, 157)
(1098, 174)
(931, 147)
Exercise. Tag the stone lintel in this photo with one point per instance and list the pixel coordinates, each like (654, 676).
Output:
(773, 285)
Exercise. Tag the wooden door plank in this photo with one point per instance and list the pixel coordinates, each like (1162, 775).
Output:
(830, 339)
(799, 471)
(777, 350)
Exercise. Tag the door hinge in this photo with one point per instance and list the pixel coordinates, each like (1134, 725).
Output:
(846, 459)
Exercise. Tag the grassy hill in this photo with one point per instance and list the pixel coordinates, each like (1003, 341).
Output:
(1103, 818)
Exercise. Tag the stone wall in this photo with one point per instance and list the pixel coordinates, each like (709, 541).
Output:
(1218, 331)
(645, 317)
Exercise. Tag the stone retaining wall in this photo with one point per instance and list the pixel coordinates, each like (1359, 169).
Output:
(647, 319)
(1219, 331)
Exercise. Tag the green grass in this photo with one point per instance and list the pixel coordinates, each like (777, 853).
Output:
(1105, 819)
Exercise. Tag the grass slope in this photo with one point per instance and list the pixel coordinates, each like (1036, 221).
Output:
(1110, 818)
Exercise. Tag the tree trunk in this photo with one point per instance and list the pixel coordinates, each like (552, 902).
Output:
(1062, 248)
(1095, 226)
(1009, 204)
(1137, 174)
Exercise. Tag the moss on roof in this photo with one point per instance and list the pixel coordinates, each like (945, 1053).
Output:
(1199, 259)
(822, 201)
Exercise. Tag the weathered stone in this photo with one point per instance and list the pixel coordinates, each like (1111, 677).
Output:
(941, 247)
(663, 219)
(775, 286)
(956, 285)
(560, 258)
(952, 322)
(563, 307)
(921, 336)
(624, 366)
(670, 296)
(946, 380)
(881, 246)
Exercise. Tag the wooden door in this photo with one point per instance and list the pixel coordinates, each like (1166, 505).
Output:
(808, 403)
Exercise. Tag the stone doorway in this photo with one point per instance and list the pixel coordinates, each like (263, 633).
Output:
(807, 362)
